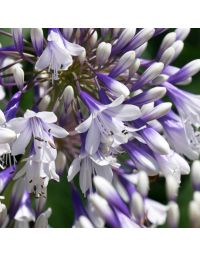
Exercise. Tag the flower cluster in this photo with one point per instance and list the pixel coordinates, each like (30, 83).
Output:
(87, 101)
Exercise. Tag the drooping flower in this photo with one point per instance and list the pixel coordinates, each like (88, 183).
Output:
(39, 126)
(38, 171)
(89, 166)
(57, 54)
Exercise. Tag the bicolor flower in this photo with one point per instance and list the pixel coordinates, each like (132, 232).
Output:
(188, 106)
(39, 126)
(107, 120)
(172, 164)
(38, 171)
(176, 135)
(58, 53)
(89, 166)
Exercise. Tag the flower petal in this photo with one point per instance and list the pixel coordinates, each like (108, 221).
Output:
(2, 117)
(57, 131)
(124, 112)
(116, 102)
(18, 124)
(6, 135)
(29, 113)
(73, 169)
(47, 117)
(4, 149)
(22, 141)
(85, 178)
(73, 49)
(92, 139)
(44, 60)
(84, 126)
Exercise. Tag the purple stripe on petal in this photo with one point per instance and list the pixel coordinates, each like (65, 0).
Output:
(5, 176)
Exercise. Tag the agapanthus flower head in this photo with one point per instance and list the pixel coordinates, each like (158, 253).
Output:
(91, 103)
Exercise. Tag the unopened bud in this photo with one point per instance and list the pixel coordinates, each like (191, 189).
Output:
(185, 82)
(173, 215)
(160, 79)
(68, 95)
(159, 111)
(139, 51)
(82, 57)
(37, 39)
(44, 103)
(171, 188)
(123, 64)
(95, 217)
(148, 96)
(116, 88)
(140, 38)
(196, 197)
(103, 209)
(182, 33)
(168, 40)
(194, 214)
(125, 37)
(60, 162)
(188, 70)
(93, 39)
(167, 56)
(151, 73)
(178, 47)
(84, 222)
(103, 53)
(18, 38)
(18, 74)
(143, 183)
(106, 190)
(155, 141)
(137, 206)
(40, 205)
(42, 220)
(195, 173)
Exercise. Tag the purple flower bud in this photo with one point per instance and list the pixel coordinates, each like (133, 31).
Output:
(140, 38)
(115, 87)
(147, 96)
(123, 64)
(103, 53)
(104, 210)
(37, 39)
(142, 159)
(18, 74)
(185, 72)
(150, 73)
(18, 39)
(123, 39)
(105, 189)
(12, 106)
